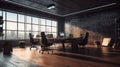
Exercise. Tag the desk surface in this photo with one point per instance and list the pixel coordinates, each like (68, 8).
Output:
(63, 40)
(58, 38)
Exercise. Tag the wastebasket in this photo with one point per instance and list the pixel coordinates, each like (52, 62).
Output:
(21, 44)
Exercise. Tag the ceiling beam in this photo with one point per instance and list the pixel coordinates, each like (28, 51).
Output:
(99, 7)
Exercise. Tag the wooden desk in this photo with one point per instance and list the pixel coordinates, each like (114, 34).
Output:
(73, 41)
(58, 40)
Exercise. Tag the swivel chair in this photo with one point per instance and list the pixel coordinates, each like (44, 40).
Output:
(84, 41)
(45, 44)
(32, 42)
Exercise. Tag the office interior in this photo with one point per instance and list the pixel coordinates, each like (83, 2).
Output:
(65, 19)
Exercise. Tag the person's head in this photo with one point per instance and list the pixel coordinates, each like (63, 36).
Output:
(42, 34)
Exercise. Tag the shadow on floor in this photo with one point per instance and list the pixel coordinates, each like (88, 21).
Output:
(94, 52)
(10, 60)
(97, 52)
(86, 58)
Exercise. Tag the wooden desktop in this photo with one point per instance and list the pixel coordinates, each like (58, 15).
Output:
(73, 42)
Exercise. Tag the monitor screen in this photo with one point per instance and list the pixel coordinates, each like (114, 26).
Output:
(62, 34)
(49, 35)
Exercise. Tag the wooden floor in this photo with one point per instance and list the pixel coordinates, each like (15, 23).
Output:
(87, 57)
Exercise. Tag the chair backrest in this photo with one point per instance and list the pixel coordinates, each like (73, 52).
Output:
(31, 38)
(44, 40)
(85, 38)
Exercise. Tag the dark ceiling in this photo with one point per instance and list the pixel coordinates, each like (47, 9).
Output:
(64, 7)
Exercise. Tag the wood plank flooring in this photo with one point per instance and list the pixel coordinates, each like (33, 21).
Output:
(24, 57)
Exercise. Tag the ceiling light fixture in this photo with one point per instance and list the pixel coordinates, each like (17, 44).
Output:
(51, 6)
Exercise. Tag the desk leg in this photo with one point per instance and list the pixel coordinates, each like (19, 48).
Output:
(63, 46)
(74, 45)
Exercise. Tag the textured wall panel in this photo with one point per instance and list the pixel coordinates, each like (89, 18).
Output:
(99, 25)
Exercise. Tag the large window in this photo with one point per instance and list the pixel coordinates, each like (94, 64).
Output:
(20, 34)
(11, 35)
(21, 26)
(42, 28)
(35, 20)
(35, 27)
(28, 19)
(48, 23)
(0, 15)
(42, 22)
(18, 26)
(11, 25)
(11, 16)
(20, 18)
(28, 27)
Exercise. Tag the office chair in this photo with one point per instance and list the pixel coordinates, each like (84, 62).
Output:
(45, 44)
(84, 40)
(33, 43)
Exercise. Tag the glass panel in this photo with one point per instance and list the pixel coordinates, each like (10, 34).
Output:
(28, 19)
(20, 34)
(54, 23)
(28, 27)
(4, 25)
(39, 28)
(20, 26)
(27, 35)
(20, 18)
(11, 26)
(54, 35)
(48, 29)
(42, 28)
(4, 35)
(35, 20)
(48, 23)
(42, 21)
(35, 27)
(4, 15)
(0, 13)
(11, 35)
(11, 16)
(54, 29)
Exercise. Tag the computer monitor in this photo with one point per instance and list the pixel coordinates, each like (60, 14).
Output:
(62, 34)
(49, 35)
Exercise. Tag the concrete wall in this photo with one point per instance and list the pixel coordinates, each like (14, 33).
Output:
(99, 24)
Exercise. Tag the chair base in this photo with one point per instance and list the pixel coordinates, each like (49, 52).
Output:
(33, 46)
(46, 49)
